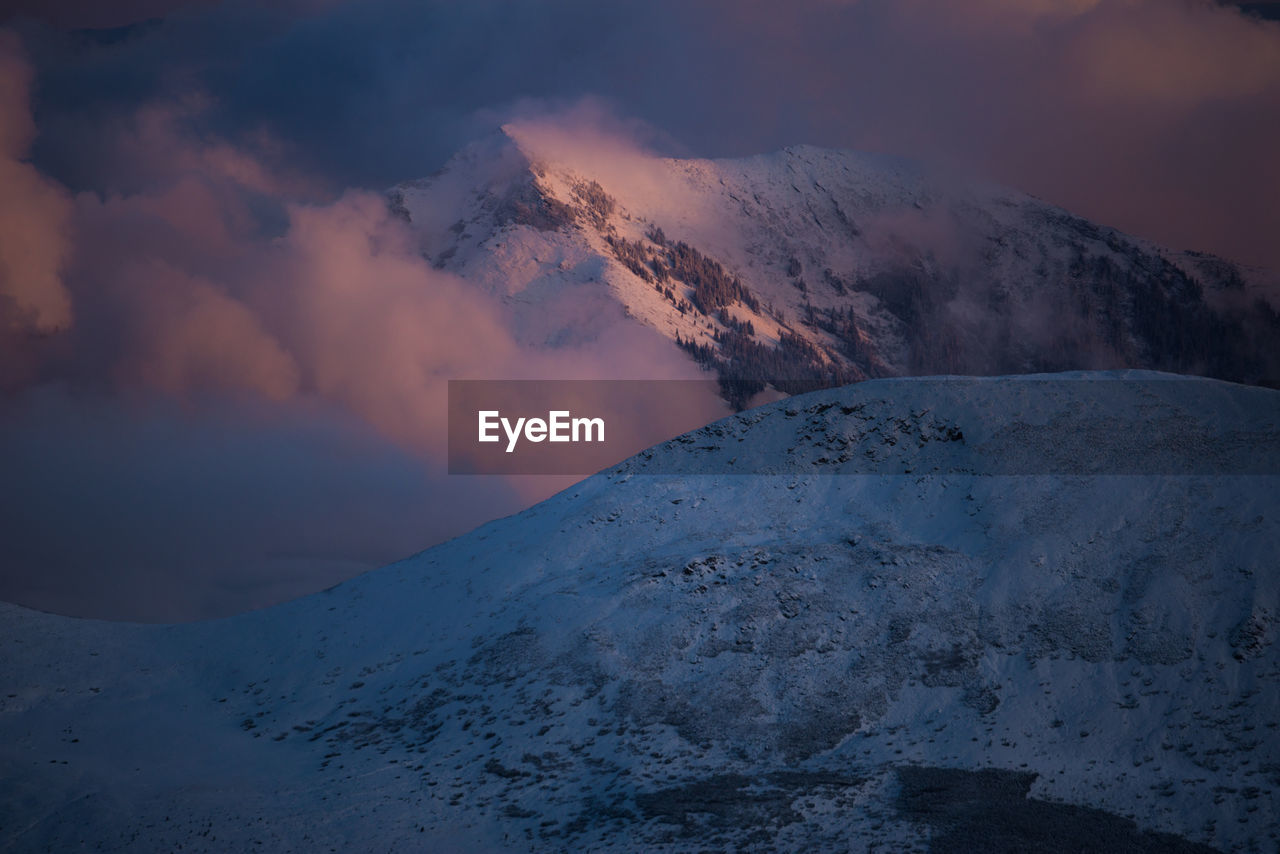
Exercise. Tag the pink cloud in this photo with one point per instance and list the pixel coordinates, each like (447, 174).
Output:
(322, 311)
(1160, 118)
(34, 213)
(187, 290)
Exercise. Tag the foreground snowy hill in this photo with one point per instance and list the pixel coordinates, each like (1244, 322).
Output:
(817, 266)
(1016, 613)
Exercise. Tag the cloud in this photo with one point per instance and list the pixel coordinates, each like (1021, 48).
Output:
(1153, 116)
(34, 213)
(249, 402)
(198, 218)
(119, 14)
(1150, 116)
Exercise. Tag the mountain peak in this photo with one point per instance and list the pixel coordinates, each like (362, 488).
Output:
(815, 265)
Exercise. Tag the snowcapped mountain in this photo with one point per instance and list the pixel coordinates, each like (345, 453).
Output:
(818, 267)
(1023, 614)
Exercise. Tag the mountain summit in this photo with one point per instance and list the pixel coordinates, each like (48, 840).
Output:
(817, 267)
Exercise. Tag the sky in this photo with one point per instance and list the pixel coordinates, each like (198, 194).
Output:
(222, 361)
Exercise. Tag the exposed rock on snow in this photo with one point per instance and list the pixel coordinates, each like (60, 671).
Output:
(812, 267)
(669, 656)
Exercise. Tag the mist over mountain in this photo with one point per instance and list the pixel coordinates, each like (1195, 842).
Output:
(960, 615)
(554, 248)
(812, 267)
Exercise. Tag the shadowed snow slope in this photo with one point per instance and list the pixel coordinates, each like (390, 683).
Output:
(1013, 613)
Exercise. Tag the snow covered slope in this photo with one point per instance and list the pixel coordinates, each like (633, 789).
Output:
(982, 613)
(820, 266)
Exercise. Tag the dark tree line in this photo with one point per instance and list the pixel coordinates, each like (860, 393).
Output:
(745, 327)
(842, 324)
(1175, 329)
(633, 256)
(597, 204)
(744, 366)
(713, 287)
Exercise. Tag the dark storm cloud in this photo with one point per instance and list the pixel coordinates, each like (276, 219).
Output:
(1157, 117)
(95, 14)
(364, 93)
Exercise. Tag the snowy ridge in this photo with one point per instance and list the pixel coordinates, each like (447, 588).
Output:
(845, 265)
(1075, 423)
(811, 661)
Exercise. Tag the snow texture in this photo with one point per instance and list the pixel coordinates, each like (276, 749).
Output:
(881, 266)
(955, 638)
